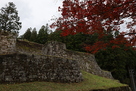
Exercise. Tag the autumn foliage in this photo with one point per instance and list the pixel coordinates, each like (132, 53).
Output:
(99, 16)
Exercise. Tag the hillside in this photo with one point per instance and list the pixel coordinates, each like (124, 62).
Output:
(90, 83)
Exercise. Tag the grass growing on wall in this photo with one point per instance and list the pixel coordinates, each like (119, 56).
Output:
(90, 82)
(28, 46)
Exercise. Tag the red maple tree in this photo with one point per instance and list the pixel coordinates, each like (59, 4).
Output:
(98, 16)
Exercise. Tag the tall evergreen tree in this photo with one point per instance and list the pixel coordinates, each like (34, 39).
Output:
(43, 34)
(73, 42)
(9, 19)
(27, 34)
(55, 36)
(33, 35)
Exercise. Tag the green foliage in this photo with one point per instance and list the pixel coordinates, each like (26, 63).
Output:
(33, 36)
(73, 42)
(9, 19)
(42, 36)
(118, 61)
(55, 36)
(27, 34)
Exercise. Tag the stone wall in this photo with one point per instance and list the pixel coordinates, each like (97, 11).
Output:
(86, 61)
(7, 43)
(25, 68)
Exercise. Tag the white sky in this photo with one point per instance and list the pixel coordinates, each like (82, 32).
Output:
(35, 13)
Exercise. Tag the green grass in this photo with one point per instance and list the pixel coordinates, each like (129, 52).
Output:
(90, 82)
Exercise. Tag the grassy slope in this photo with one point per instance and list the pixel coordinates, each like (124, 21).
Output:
(90, 82)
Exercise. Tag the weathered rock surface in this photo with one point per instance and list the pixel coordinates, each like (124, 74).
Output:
(86, 61)
(7, 43)
(24, 68)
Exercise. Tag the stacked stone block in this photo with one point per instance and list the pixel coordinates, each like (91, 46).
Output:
(7, 43)
(86, 61)
(25, 68)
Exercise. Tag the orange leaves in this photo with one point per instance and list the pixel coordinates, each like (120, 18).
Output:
(94, 16)
(117, 1)
(100, 45)
(120, 40)
(115, 46)
(109, 42)
(95, 12)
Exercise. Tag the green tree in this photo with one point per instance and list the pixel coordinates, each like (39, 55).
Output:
(33, 36)
(55, 36)
(42, 37)
(9, 19)
(73, 42)
(117, 61)
(27, 34)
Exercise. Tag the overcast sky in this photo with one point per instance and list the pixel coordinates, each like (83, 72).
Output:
(35, 13)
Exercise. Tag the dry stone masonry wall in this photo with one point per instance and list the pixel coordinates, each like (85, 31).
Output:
(7, 43)
(86, 61)
(24, 68)
(21, 66)
(49, 62)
